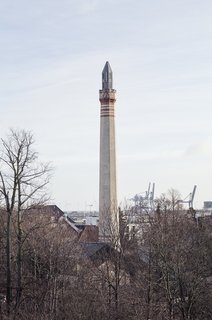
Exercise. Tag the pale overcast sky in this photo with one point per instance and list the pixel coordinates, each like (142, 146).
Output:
(51, 57)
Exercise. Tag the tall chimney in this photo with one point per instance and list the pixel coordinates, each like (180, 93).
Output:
(108, 212)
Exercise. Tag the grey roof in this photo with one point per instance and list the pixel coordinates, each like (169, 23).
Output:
(72, 224)
(91, 249)
(70, 219)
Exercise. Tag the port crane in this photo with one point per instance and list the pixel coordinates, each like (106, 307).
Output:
(190, 198)
(145, 200)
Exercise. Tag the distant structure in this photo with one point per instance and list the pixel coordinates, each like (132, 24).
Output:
(207, 205)
(144, 202)
(189, 199)
(108, 213)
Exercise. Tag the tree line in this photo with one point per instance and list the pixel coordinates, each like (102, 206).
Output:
(161, 273)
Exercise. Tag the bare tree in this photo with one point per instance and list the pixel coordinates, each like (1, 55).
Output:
(180, 267)
(169, 202)
(22, 185)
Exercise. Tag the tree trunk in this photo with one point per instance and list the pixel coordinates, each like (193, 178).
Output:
(19, 261)
(8, 263)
